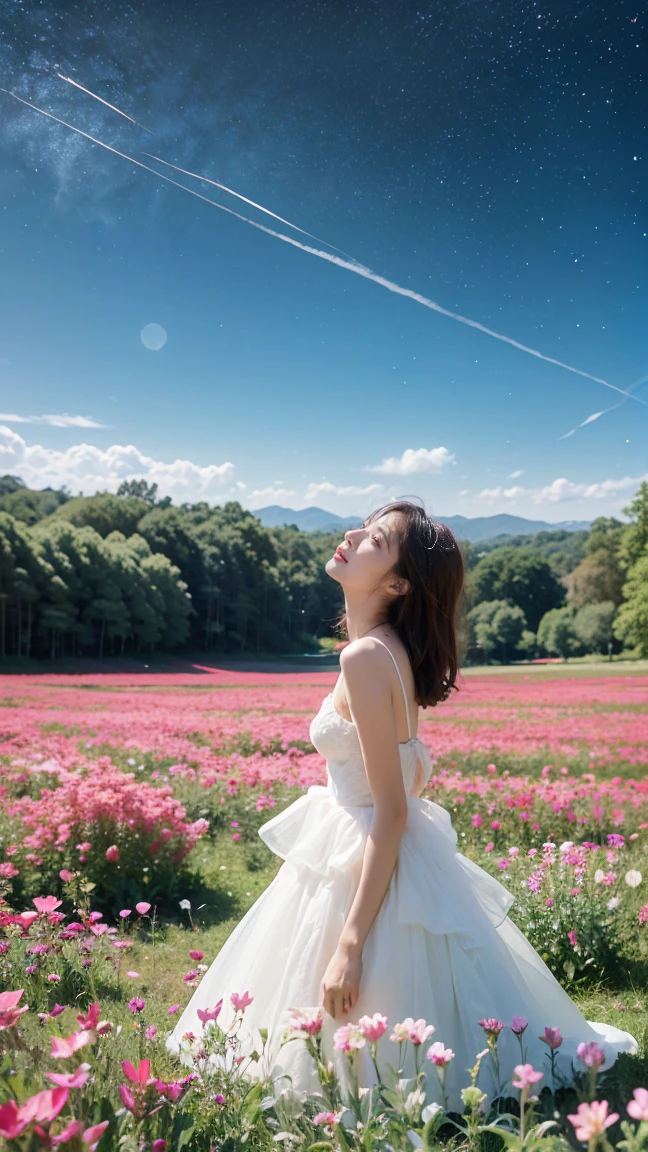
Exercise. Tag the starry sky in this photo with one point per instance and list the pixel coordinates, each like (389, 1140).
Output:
(470, 179)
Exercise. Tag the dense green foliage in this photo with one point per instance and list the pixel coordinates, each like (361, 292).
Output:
(126, 572)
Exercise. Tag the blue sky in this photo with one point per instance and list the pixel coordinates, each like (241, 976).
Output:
(491, 159)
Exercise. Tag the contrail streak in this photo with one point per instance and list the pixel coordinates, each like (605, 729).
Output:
(358, 269)
(595, 415)
(69, 80)
(245, 200)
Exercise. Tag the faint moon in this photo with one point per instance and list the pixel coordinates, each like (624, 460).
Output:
(153, 337)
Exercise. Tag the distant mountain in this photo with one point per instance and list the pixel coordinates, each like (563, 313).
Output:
(465, 527)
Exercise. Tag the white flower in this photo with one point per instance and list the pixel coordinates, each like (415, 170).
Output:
(566, 846)
(612, 902)
(599, 875)
(429, 1111)
(185, 905)
(633, 877)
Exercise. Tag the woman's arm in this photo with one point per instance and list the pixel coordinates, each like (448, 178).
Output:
(369, 696)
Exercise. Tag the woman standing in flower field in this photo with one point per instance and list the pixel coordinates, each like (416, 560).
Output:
(374, 910)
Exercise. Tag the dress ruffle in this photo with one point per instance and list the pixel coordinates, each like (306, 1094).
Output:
(441, 947)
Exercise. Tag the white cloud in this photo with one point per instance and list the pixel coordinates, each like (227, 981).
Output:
(86, 468)
(563, 491)
(325, 488)
(464, 492)
(55, 421)
(514, 475)
(414, 460)
(259, 497)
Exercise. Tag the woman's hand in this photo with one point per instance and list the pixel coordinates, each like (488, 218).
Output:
(341, 981)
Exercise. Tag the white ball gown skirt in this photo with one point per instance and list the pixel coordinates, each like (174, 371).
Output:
(441, 947)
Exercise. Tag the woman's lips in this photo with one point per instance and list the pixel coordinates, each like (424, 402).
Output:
(337, 555)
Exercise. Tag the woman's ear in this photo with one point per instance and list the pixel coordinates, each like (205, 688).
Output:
(399, 586)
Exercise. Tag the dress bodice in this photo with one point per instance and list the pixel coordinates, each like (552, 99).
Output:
(337, 740)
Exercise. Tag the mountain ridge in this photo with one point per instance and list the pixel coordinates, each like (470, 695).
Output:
(472, 528)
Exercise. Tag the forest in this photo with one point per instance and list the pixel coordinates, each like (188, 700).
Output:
(129, 573)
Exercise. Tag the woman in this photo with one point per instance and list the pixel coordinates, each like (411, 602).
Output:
(373, 909)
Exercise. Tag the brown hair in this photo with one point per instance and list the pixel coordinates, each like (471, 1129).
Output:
(425, 617)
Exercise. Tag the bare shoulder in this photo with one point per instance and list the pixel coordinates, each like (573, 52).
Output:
(362, 654)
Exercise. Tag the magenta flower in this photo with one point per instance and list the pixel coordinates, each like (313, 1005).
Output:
(45, 904)
(70, 1079)
(525, 1076)
(572, 938)
(309, 1025)
(159, 1145)
(196, 955)
(173, 1009)
(137, 1004)
(53, 978)
(9, 1010)
(112, 854)
(240, 1002)
(643, 914)
(219, 1098)
(151, 1032)
(591, 1120)
(139, 1075)
(207, 1014)
(189, 976)
(591, 1055)
(492, 1027)
(552, 1038)
(518, 1025)
(325, 1118)
(57, 1009)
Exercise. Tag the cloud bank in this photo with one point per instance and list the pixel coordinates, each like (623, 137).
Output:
(414, 460)
(84, 468)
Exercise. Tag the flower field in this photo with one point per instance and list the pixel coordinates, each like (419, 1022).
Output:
(130, 806)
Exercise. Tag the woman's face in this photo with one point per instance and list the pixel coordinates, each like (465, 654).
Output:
(366, 555)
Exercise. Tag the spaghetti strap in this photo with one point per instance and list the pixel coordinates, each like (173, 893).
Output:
(409, 730)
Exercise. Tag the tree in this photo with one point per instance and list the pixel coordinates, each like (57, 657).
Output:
(598, 579)
(593, 626)
(10, 484)
(631, 624)
(497, 624)
(140, 489)
(635, 540)
(519, 576)
(556, 632)
(104, 512)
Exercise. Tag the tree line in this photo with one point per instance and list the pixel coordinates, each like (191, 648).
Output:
(128, 573)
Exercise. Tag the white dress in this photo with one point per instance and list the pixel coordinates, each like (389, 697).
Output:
(441, 947)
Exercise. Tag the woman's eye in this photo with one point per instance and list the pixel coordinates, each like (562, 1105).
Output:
(376, 538)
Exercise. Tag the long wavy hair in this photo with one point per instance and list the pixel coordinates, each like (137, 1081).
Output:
(425, 617)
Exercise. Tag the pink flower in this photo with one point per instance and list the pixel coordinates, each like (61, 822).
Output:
(524, 1077)
(196, 955)
(219, 1098)
(638, 1108)
(489, 847)
(591, 1055)
(492, 1027)
(477, 820)
(62, 1048)
(133, 974)
(124, 913)
(591, 1120)
(151, 1032)
(127, 1097)
(70, 1079)
(137, 1004)
(495, 825)
(518, 1025)
(571, 936)
(373, 1027)
(142, 907)
(310, 1025)
(552, 1038)
(189, 976)
(159, 1145)
(643, 914)
(439, 1055)
(53, 978)
(173, 1009)
(240, 1002)
(236, 835)
(9, 1010)
(112, 854)
(45, 904)
(207, 1014)
(348, 1037)
(419, 1031)
(57, 1009)
(325, 1118)
(139, 1075)
(92, 1018)
(93, 1135)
